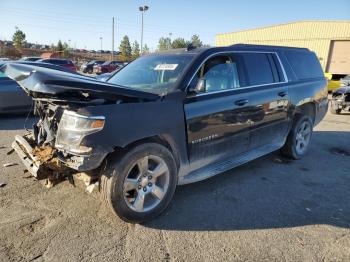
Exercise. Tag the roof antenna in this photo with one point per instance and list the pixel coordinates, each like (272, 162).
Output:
(190, 47)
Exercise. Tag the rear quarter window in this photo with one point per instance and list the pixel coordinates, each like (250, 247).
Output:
(304, 64)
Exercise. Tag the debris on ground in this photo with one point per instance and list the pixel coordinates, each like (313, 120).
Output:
(91, 188)
(10, 152)
(10, 164)
(300, 241)
(3, 147)
(2, 184)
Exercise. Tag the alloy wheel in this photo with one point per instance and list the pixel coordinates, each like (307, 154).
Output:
(303, 137)
(146, 183)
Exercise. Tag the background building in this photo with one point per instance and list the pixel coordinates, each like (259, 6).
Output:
(330, 40)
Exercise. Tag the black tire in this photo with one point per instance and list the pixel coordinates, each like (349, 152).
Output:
(335, 111)
(89, 71)
(290, 147)
(117, 169)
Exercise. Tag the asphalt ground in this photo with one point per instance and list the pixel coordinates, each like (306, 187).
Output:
(271, 209)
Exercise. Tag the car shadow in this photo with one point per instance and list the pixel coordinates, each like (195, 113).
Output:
(270, 192)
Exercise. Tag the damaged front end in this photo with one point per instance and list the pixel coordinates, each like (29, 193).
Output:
(62, 143)
(55, 149)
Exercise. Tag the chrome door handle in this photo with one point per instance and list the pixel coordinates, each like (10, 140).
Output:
(241, 102)
(282, 94)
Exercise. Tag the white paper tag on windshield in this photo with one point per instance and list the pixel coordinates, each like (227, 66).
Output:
(166, 67)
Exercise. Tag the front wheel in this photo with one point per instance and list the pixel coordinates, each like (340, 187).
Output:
(141, 184)
(299, 137)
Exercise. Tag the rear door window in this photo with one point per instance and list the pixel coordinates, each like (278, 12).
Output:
(260, 69)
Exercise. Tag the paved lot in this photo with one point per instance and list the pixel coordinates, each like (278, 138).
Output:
(269, 209)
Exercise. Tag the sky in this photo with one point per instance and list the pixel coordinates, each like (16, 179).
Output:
(83, 22)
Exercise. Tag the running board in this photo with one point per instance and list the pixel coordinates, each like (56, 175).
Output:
(223, 166)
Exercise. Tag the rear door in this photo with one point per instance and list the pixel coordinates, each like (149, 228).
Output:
(269, 99)
(218, 120)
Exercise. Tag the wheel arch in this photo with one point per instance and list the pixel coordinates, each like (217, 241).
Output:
(308, 109)
(164, 140)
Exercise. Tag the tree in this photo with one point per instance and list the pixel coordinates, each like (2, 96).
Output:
(145, 50)
(135, 49)
(65, 50)
(179, 43)
(125, 47)
(18, 38)
(164, 43)
(196, 42)
(59, 46)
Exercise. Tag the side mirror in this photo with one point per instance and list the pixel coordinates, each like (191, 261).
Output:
(200, 86)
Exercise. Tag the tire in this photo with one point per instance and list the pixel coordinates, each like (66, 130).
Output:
(335, 111)
(89, 71)
(292, 147)
(119, 170)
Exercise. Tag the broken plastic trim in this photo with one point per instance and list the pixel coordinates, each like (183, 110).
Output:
(41, 162)
(24, 149)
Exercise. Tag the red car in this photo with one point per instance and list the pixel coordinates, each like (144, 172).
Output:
(107, 67)
(61, 62)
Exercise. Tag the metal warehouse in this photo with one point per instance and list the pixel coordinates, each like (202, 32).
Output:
(330, 40)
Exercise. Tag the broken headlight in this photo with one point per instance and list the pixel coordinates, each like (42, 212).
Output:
(73, 128)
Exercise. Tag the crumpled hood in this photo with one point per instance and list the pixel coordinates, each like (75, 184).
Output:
(342, 90)
(40, 82)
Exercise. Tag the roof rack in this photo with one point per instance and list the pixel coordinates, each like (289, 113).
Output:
(268, 46)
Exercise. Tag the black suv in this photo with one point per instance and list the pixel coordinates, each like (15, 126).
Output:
(171, 118)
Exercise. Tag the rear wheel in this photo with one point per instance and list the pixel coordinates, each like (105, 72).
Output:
(141, 184)
(298, 140)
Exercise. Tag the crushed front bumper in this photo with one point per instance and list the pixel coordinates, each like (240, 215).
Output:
(41, 162)
(57, 164)
(24, 151)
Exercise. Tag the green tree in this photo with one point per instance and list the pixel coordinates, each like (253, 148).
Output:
(125, 47)
(18, 38)
(65, 50)
(59, 46)
(196, 42)
(179, 43)
(135, 52)
(145, 50)
(164, 43)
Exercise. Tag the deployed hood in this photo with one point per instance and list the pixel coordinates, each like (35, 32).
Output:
(343, 90)
(40, 82)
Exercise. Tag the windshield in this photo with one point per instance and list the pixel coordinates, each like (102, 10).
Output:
(155, 74)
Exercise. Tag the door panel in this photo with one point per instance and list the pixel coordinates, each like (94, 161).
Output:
(272, 122)
(217, 127)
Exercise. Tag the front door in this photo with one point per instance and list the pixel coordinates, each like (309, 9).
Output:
(218, 120)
